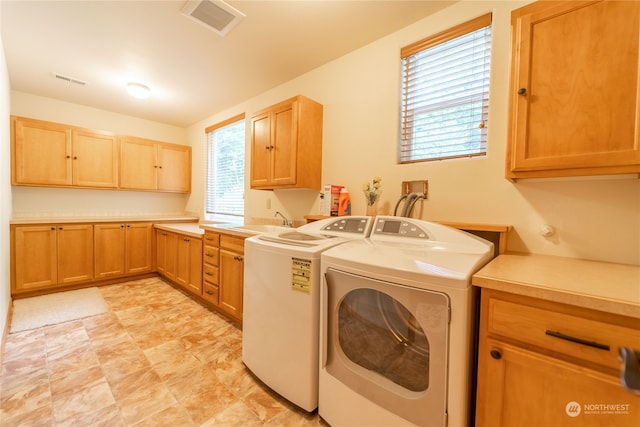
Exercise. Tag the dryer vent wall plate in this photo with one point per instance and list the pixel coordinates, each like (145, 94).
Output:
(216, 15)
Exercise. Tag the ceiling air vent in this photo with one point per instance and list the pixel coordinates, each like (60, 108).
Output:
(213, 14)
(69, 79)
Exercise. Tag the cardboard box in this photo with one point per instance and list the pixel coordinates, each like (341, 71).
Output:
(331, 199)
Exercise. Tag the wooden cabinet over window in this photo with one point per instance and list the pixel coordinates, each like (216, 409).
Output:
(154, 166)
(574, 103)
(52, 154)
(286, 145)
(51, 255)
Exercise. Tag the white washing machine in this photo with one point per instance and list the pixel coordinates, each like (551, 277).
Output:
(397, 326)
(281, 304)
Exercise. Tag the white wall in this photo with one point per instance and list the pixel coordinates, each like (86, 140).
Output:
(595, 218)
(5, 192)
(69, 202)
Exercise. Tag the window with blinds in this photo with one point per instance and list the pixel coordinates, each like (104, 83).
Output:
(445, 94)
(225, 167)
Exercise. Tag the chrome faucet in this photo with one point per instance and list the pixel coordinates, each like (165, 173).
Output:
(285, 221)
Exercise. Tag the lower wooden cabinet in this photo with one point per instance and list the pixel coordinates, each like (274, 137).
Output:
(210, 268)
(223, 272)
(189, 265)
(123, 248)
(547, 364)
(179, 259)
(231, 275)
(47, 256)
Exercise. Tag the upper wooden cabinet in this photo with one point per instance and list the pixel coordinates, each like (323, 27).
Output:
(52, 154)
(574, 89)
(286, 145)
(155, 166)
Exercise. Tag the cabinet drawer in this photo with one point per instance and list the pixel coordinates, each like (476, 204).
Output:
(581, 336)
(210, 255)
(210, 293)
(211, 239)
(233, 244)
(210, 274)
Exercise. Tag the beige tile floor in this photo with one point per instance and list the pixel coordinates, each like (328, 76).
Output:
(156, 358)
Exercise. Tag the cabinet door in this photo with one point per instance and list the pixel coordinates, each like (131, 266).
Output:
(138, 247)
(283, 155)
(35, 257)
(75, 253)
(174, 168)
(161, 251)
(189, 265)
(171, 255)
(41, 153)
(109, 250)
(138, 164)
(517, 387)
(574, 89)
(95, 159)
(231, 283)
(261, 147)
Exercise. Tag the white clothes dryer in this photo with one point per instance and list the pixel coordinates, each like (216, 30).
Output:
(397, 326)
(281, 304)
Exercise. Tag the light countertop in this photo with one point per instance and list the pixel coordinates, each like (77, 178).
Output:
(83, 219)
(190, 229)
(608, 287)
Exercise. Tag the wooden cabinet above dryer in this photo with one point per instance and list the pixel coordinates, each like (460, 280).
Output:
(286, 145)
(574, 103)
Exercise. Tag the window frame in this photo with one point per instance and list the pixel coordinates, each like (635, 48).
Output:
(406, 142)
(208, 193)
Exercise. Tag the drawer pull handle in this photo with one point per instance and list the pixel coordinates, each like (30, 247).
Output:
(496, 354)
(577, 340)
(630, 369)
(208, 292)
(208, 273)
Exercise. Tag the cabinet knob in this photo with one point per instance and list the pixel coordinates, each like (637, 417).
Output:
(53, 228)
(496, 354)
(522, 91)
(68, 157)
(75, 157)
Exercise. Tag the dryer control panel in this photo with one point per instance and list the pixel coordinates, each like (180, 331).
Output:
(399, 226)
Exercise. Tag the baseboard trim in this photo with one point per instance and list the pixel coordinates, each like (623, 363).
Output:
(5, 332)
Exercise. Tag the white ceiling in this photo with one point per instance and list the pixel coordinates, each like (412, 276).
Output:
(192, 71)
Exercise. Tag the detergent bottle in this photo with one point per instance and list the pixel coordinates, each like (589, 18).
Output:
(344, 203)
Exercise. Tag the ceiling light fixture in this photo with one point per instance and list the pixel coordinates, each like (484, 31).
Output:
(138, 90)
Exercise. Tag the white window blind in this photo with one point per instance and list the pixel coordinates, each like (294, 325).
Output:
(225, 167)
(445, 94)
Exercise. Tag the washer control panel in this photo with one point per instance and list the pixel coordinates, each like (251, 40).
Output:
(398, 226)
(358, 225)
